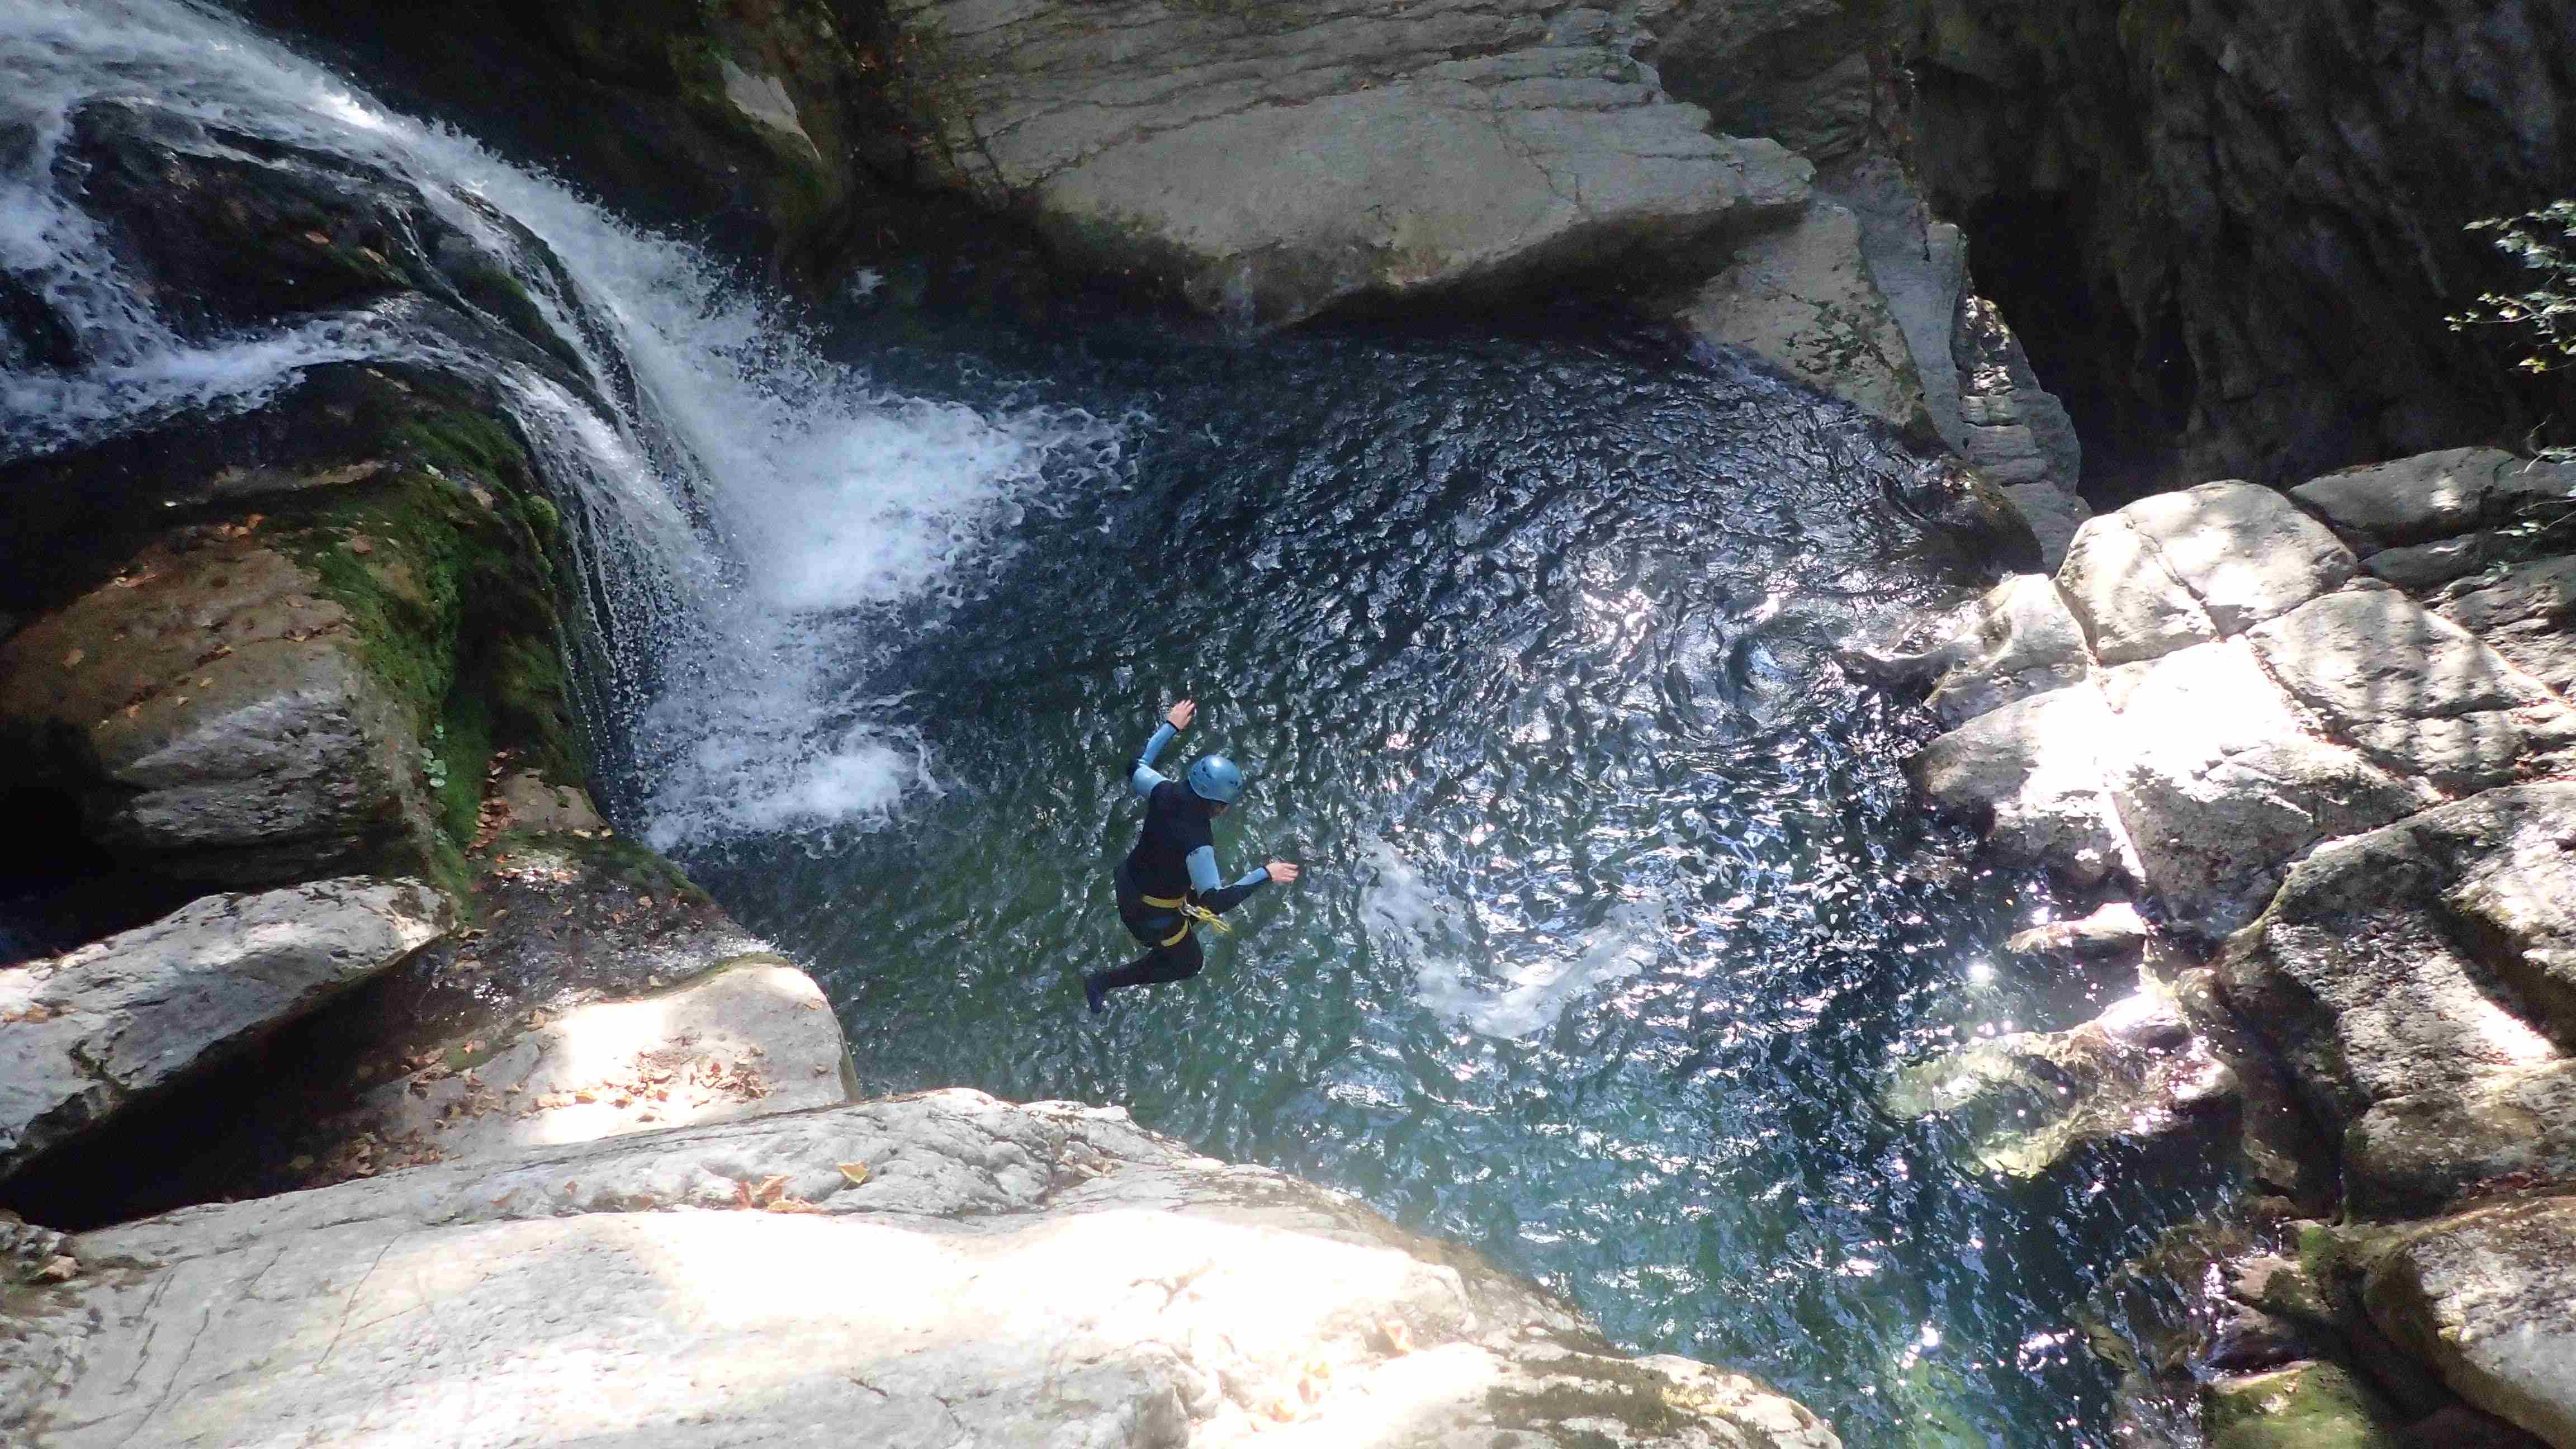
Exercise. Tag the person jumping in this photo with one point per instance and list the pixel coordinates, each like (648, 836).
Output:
(1167, 885)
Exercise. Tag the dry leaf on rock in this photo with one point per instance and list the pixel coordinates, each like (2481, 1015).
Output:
(856, 1172)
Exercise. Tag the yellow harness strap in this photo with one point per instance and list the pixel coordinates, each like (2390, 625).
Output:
(1193, 916)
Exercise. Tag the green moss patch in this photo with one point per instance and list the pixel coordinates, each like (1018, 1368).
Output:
(444, 564)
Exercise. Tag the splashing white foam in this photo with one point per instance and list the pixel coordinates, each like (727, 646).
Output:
(1409, 920)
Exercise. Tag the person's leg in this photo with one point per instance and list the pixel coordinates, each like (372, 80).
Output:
(1176, 962)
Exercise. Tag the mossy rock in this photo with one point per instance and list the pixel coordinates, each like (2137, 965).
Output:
(2306, 1406)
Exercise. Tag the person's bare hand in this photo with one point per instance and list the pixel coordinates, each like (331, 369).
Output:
(1281, 871)
(1180, 715)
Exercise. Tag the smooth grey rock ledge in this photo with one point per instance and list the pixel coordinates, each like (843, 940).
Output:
(83, 1035)
(953, 1270)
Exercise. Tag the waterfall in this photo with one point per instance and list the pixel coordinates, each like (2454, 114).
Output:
(757, 525)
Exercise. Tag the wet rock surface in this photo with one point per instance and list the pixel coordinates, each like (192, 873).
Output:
(923, 1269)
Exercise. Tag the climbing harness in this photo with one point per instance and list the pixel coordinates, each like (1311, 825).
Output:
(1193, 916)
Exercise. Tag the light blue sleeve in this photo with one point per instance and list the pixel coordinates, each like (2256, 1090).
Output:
(1202, 864)
(1143, 777)
(1258, 875)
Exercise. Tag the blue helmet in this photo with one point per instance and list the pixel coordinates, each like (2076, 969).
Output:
(1215, 779)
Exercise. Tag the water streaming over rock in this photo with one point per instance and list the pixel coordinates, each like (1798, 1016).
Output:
(1619, 911)
(734, 488)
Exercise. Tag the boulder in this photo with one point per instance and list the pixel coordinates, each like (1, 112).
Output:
(942, 1268)
(1797, 70)
(2409, 1155)
(1271, 162)
(2220, 781)
(2032, 770)
(2528, 614)
(2183, 568)
(2415, 692)
(89, 1033)
(2421, 568)
(2435, 495)
(1801, 297)
(2485, 1297)
(227, 719)
(2031, 1098)
(2021, 641)
(2110, 932)
(752, 1036)
(2313, 1405)
(2368, 980)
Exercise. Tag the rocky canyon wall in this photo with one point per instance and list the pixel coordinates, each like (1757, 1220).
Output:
(2230, 233)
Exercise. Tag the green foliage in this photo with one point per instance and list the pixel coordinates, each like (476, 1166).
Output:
(2544, 242)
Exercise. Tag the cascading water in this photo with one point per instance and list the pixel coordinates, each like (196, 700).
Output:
(1618, 913)
(735, 489)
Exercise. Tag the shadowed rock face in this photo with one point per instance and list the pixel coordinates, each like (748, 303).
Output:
(2243, 224)
(928, 1270)
(84, 1035)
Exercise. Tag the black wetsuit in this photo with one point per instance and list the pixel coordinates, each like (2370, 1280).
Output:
(1174, 860)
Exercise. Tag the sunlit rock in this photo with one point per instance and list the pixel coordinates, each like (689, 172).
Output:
(2220, 781)
(2483, 1296)
(1802, 298)
(2528, 613)
(84, 1035)
(942, 1268)
(2415, 692)
(752, 1036)
(2409, 1155)
(2033, 770)
(2183, 568)
(2111, 931)
(2033, 1097)
(2435, 495)
(2021, 641)
(1270, 162)
(2369, 976)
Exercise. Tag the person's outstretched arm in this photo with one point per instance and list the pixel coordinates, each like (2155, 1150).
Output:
(1222, 899)
(1142, 775)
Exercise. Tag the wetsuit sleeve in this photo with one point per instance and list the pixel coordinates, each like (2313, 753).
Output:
(1142, 775)
(1222, 901)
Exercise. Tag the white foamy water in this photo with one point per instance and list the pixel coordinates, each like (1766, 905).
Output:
(755, 522)
(1410, 920)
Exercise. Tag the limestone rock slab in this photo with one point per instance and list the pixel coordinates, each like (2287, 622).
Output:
(2408, 1155)
(1271, 161)
(2020, 641)
(750, 1037)
(2485, 1297)
(1802, 297)
(2415, 692)
(220, 710)
(2369, 980)
(2183, 568)
(2434, 495)
(2032, 767)
(931, 1270)
(2220, 781)
(83, 1035)
(2528, 615)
